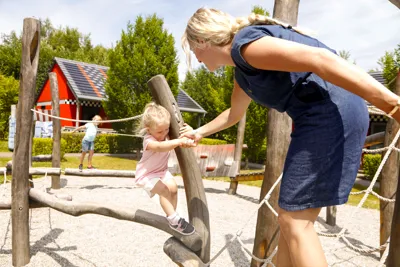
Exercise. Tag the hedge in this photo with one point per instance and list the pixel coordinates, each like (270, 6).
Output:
(371, 164)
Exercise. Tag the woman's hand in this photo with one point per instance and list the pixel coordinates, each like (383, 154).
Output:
(194, 135)
(186, 142)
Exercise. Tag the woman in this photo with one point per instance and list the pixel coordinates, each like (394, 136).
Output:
(279, 67)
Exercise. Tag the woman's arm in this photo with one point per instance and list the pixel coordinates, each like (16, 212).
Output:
(272, 53)
(239, 104)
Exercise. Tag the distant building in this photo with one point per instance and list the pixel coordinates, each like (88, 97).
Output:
(81, 92)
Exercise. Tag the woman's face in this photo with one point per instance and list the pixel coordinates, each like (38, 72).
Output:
(205, 54)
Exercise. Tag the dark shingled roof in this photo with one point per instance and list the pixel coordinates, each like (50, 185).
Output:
(378, 75)
(87, 83)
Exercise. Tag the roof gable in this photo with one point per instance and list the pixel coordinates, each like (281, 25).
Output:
(87, 83)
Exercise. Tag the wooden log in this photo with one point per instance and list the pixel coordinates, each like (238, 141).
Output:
(56, 153)
(26, 100)
(278, 135)
(6, 204)
(44, 171)
(237, 157)
(40, 158)
(127, 214)
(331, 215)
(257, 176)
(374, 139)
(181, 255)
(97, 172)
(194, 189)
(395, 2)
(393, 165)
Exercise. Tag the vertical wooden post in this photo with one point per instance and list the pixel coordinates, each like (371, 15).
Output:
(331, 215)
(278, 137)
(237, 157)
(194, 189)
(77, 113)
(20, 188)
(56, 154)
(392, 170)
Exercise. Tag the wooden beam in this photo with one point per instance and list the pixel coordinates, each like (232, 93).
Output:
(279, 128)
(20, 184)
(194, 189)
(394, 255)
(181, 255)
(56, 153)
(395, 2)
(374, 139)
(44, 171)
(97, 172)
(127, 214)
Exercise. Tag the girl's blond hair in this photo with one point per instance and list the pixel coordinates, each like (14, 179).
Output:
(218, 28)
(97, 118)
(153, 115)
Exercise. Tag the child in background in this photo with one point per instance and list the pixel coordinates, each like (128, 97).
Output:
(152, 170)
(88, 140)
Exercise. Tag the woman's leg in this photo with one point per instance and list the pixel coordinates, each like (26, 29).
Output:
(303, 245)
(283, 253)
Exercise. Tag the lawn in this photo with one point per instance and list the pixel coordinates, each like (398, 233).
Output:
(117, 163)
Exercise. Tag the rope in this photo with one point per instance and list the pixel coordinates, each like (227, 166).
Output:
(68, 119)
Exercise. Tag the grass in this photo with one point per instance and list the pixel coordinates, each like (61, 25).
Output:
(117, 163)
(4, 146)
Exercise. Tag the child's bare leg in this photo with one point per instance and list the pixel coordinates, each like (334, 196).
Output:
(166, 201)
(83, 156)
(173, 191)
(91, 152)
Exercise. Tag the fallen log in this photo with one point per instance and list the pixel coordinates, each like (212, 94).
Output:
(181, 255)
(374, 139)
(96, 172)
(192, 241)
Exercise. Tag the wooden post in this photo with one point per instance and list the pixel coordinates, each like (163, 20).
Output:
(194, 189)
(78, 105)
(395, 2)
(56, 154)
(392, 170)
(331, 215)
(278, 135)
(20, 187)
(237, 157)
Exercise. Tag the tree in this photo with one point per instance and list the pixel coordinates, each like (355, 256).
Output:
(9, 88)
(145, 50)
(390, 64)
(64, 42)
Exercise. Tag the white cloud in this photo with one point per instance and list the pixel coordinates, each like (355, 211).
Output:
(366, 28)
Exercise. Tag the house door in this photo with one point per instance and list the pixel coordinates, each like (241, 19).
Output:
(89, 112)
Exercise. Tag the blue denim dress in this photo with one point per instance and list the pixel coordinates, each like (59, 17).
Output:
(330, 124)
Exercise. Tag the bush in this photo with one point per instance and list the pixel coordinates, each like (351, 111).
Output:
(371, 164)
(44, 146)
(209, 141)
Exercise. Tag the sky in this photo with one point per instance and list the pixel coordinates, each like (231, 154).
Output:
(365, 28)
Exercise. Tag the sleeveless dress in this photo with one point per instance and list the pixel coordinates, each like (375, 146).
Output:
(330, 124)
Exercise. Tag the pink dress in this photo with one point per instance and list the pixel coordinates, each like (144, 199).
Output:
(152, 164)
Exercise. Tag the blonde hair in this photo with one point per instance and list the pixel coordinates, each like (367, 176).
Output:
(153, 115)
(218, 28)
(97, 118)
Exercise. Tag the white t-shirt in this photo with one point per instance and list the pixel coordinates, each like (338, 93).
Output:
(91, 131)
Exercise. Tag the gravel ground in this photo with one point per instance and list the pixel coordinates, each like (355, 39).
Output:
(58, 239)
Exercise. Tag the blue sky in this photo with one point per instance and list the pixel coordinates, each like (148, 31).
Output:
(366, 28)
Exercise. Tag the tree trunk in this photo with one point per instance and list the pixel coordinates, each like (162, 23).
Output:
(194, 189)
(387, 209)
(278, 138)
(20, 185)
(395, 2)
(55, 105)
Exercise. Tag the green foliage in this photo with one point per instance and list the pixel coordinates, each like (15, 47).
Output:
(64, 42)
(9, 88)
(145, 50)
(390, 64)
(44, 146)
(209, 141)
(260, 10)
(213, 92)
(104, 143)
(371, 164)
